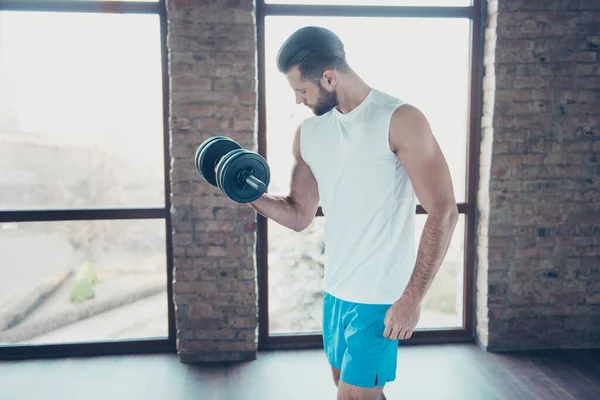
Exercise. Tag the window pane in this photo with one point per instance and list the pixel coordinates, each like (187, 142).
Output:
(400, 56)
(296, 268)
(295, 278)
(443, 303)
(81, 281)
(416, 3)
(80, 114)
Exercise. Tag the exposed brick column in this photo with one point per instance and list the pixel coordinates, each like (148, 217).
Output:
(543, 237)
(212, 53)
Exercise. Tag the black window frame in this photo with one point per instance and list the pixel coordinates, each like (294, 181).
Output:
(476, 14)
(137, 345)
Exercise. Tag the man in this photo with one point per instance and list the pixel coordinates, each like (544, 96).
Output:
(367, 157)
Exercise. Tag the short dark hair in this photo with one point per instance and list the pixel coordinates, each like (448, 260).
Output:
(313, 49)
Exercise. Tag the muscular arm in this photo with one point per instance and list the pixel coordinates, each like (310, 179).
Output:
(297, 209)
(414, 144)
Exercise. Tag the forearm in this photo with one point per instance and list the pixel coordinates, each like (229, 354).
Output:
(280, 209)
(433, 246)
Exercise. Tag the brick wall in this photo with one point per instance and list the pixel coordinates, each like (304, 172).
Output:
(213, 92)
(539, 243)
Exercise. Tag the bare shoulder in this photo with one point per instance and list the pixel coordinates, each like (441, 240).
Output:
(414, 143)
(409, 127)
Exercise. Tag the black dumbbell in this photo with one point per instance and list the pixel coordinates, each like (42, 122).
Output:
(241, 175)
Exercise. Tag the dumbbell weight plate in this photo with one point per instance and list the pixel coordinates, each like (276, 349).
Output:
(202, 150)
(218, 175)
(209, 153)
(230, 169)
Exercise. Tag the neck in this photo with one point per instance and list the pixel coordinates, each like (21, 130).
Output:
(352, 91)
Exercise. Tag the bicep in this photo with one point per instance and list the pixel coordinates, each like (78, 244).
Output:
(412, 139)
(303, 185)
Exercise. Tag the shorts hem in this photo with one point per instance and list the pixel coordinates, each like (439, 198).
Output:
(362, 383)
(332, 364)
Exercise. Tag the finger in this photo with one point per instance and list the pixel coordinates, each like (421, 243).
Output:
(388, 326)
(393, 333)
(397, 333)
(387, 331)
(402, 334)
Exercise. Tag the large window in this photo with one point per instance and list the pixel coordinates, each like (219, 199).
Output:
(427, 56)
(85, 253)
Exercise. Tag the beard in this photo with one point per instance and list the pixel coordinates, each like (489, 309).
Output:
(327, 100)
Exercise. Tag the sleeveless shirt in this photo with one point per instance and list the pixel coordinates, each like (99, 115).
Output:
(367, 199)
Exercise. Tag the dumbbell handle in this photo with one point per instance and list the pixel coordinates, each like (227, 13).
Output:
(255, 183)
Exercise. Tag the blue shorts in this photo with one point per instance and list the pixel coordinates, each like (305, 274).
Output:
(354, 343)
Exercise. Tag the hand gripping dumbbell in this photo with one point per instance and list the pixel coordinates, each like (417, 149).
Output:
(242, 175)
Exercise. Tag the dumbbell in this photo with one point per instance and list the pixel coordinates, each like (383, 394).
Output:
(242, 175)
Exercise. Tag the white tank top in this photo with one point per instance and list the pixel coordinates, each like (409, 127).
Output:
(367, 199)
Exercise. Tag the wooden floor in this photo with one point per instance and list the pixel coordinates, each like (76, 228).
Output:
(442, 372)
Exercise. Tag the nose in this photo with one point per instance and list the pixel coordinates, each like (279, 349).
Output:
(299, 99)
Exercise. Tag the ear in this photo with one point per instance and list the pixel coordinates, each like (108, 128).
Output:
(329, 79)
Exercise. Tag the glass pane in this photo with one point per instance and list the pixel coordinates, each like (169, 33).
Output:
(443, 303)
(80, 114)
(295, 278)
(416, 3)
(429, 71)
(82, 281)
(296, 268)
